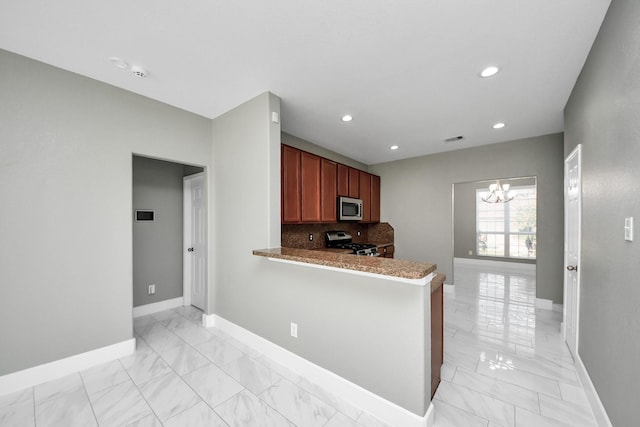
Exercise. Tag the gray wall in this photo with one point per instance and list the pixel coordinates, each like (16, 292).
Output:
(416, 198)
(66, 143)
(379, 326)
(157, 245)
(305, 145)
(464, 218)
(603, 114)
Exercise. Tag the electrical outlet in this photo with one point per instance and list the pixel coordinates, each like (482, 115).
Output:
(152, 289)
(294, 330)
(358, 233)
(470, 252)
(310, 237)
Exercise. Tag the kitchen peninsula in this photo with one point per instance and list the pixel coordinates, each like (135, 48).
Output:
(392, 269)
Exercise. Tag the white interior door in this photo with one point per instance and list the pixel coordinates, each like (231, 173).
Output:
(572, 239)
(195, 241)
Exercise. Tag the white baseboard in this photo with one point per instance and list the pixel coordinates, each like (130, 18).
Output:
(449, 288)
(592, 395)
(143, 310)
(517, 266)
(370, 402)
(558, 308)
(545, 304)
(62, 367)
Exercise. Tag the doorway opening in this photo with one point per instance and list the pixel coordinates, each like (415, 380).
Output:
(503, 234)
(161, 239)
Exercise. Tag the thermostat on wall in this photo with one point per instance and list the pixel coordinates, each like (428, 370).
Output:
(145, 215)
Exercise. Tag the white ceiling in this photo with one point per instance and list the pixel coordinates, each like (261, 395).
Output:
(406, 70)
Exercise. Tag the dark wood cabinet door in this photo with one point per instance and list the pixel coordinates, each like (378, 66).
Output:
(365, 195)
(310, 164)
(291, 191)
(328, 188)
(375, 198)
(437, 337)
(343, 180)
(354, 183)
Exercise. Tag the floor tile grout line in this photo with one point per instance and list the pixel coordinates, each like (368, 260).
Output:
(86, 392)
(140, 392)
(35, 419)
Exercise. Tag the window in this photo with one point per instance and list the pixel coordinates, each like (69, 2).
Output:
(507, 229)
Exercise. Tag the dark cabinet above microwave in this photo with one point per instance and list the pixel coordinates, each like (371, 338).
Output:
(312, 184)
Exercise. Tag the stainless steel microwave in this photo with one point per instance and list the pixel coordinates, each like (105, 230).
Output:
(349, 209)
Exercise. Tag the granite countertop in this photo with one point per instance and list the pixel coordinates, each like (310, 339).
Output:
(375, 265)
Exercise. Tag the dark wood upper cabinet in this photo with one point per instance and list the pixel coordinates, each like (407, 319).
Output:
(311, 185)
(365, 195)
(343, 180)
(354, 183)
(310, 165)
(328, 189)
(375, 198)
(291, 179)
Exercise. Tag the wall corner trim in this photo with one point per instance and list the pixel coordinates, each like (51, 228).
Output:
(143, 310)
(370, 402)
(597, 407)
(59, 368)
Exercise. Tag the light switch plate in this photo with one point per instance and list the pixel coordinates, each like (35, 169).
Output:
(628, 229)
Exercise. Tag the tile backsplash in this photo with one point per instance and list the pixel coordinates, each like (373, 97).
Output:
(297, 235)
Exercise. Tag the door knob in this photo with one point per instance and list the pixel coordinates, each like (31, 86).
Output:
(191, 250)
(572, 267)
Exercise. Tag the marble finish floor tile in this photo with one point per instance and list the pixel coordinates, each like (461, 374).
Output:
(143, 366)
(446, 415)
(104, 376)
(246, 410)
(198, 415)
(297, 405)
(169, 395)
(219, 351)
(330, 399)
(57, 388)
(21, 396)
(18, 414)
(193, 334)
(519, 355)
(212, 384)
(525, 418)
(477, 403)
(163, 341)
(251, 374)
(119, 405)
(506, 392)
(148, 421)
(566, 412)
(184, 359)
(66, 410)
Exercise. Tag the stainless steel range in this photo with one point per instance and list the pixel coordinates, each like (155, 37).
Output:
(343, 240)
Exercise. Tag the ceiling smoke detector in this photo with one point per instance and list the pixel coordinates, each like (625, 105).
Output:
(139, 71)
(454, 138)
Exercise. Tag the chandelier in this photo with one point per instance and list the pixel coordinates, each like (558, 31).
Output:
(499, 193)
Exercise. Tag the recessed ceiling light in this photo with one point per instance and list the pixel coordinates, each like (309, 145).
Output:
(489, 71)
(499, 125)
(347, 118)
(139, 71)
(118, 62)
(393, 147)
